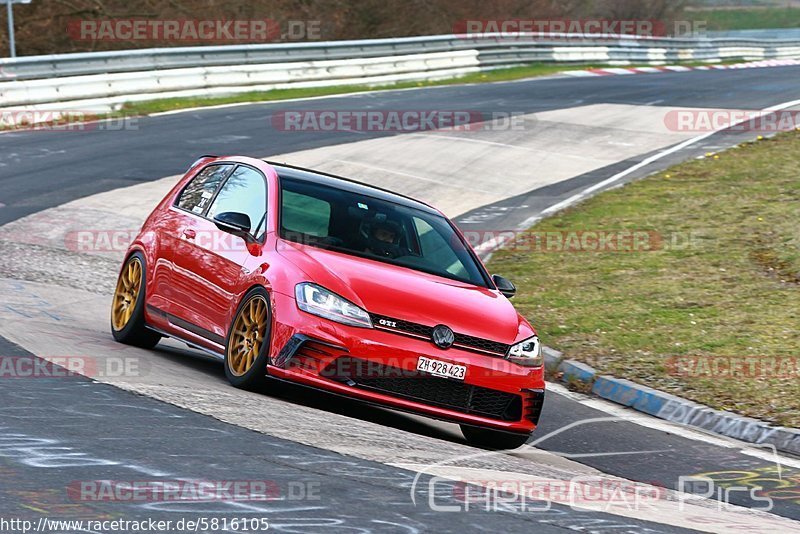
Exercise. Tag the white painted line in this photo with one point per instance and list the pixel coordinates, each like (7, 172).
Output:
(644, 163)
(671, 510)
(687, 432)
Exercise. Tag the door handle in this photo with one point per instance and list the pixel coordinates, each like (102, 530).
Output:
(189, 233)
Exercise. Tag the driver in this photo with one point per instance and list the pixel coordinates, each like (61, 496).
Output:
(382, 237)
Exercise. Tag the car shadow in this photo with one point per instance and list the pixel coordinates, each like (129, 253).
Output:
(317, 399)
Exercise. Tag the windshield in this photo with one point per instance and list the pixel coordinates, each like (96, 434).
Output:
(368, 227)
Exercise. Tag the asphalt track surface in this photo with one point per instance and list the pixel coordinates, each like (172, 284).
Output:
(39, 170)
(75, 425)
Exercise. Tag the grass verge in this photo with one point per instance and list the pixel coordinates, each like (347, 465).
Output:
(721, 287)
(134, 109)
(495, 75)
(750, 19)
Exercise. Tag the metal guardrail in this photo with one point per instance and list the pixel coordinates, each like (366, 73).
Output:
(538, 46)
(113, 76)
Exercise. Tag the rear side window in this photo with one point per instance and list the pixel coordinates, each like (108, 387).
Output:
(244, 192)
(305, 214)
(200, 191)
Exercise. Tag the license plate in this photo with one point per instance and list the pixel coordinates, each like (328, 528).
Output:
(440, 368)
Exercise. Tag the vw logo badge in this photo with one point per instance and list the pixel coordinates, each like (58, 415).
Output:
(443, 337)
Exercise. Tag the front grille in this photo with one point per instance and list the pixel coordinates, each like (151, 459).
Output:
(481, 344)
(425, 388)
(462, 341)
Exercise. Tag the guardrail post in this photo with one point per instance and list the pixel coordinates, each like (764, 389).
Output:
(11, 44)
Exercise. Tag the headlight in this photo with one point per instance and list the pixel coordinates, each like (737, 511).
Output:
(527, 353)
(317, 300)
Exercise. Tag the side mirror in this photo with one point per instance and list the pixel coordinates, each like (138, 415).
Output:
(234, 223)
(504, 286)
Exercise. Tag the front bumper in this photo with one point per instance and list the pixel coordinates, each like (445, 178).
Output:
(380, 367)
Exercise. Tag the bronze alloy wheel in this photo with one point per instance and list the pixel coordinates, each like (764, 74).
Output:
(247, 335)
(126, 296)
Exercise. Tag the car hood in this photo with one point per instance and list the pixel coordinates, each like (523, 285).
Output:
(410, 295)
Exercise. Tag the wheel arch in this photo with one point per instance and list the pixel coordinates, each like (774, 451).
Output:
(240, 300)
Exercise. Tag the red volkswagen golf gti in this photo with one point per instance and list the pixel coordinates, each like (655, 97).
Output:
(303, 276)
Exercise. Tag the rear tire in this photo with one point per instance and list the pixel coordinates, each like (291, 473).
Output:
(248, 343)
(127, 309)
(493, 439)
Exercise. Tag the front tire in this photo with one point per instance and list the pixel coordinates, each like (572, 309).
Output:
(248, 342)
(127, 310)
(493, 439)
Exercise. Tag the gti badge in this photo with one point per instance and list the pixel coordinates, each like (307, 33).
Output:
(443, 337)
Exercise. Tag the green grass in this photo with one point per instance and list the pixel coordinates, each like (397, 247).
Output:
(733, 291)
(134, 109)
(749, 19)
(497, 75)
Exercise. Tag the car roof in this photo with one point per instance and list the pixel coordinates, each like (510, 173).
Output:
(346, 184)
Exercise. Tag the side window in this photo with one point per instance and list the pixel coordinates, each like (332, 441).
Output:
(304, 214)
(245, 192)
(201, 189)
(435, 247)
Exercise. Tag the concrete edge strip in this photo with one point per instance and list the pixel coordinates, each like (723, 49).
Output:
(671, 408)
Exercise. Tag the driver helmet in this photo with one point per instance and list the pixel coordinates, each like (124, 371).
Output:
(382, 236)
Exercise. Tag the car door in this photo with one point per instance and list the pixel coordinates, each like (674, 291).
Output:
(210, 265)
(179, 251)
